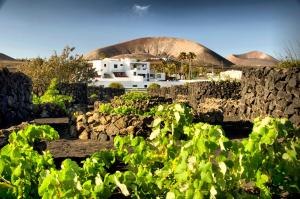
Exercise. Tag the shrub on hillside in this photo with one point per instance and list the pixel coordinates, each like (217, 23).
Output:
(153, 86)
(65, 68)
(116, 85)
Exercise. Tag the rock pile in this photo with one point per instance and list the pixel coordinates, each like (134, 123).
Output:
(4, 133)
(104, 127)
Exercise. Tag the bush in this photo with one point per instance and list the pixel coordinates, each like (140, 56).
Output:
(116, 85)
(292, 58)
(52, 96)
(153, 86)
(134, 96)
(289, 63)
(65, 68)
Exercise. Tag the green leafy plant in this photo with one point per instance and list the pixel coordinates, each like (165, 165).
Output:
(153, 86)
(179, 159)
(20, 165)
(52, 96)
(116, 85)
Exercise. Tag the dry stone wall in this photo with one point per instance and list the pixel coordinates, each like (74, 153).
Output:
(197, 92)
(104, 94)
(15, 98)
(262, 92)
(271, 91)
(81, 92)
(78, 91)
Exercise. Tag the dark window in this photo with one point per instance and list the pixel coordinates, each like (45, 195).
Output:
(145, 86)
(121, 64)
(134, 73)
(134, 86)
(104, 65)
(116, 66)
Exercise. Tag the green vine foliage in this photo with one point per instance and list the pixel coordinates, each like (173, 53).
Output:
(52, 96)
(180, 159)
(20, 165)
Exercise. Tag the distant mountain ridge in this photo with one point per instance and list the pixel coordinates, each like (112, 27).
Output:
(159, 47)
(253, 58)
(4, 57)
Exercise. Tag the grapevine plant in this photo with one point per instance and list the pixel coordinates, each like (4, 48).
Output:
(180, 159)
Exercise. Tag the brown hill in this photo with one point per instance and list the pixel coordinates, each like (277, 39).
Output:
(160, 47)
(4, 57)
(9, 62)
(253, 58)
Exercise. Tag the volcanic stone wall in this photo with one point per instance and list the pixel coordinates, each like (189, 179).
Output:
(271, 91)
(104, 94)
(15, 98)
(197, 92)
(78, 91)
(81, 92)
(262, 91)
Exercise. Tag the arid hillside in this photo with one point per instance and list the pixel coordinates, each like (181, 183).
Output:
(253, 58)
(4, 57)
(8, 62)
(159, 47)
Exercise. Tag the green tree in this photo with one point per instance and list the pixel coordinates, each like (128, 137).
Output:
(190, 56)
(66, 67)
(182, 57)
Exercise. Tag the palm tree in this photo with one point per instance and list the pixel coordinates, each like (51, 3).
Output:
(190, 56)
(182, 57)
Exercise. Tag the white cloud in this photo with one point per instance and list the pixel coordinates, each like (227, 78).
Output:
(140, 10)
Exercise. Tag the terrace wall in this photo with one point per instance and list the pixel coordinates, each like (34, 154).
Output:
(15, 98)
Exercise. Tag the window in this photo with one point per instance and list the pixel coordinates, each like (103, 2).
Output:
(121, 64)
(143, 75)
(104, 65)
(134, 85)
(115, 65)
(134, 73)
(145, 86)
(158, 76)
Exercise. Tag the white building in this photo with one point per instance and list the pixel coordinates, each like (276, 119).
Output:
(129, 72)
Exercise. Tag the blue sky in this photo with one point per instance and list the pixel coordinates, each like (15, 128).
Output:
(30, 28)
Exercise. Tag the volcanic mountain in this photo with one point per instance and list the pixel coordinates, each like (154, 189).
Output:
(159, 47)
(4, 57)
(9, 62)
(253, 58)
